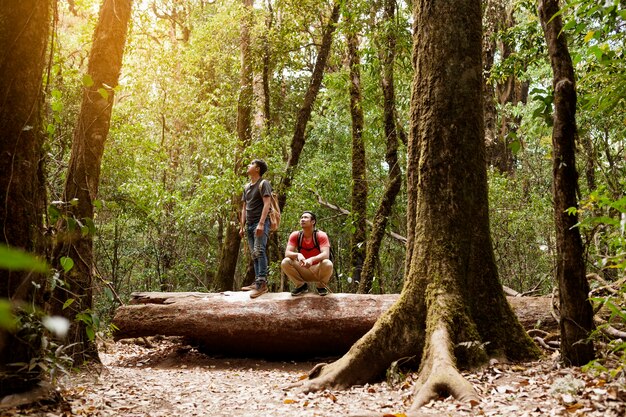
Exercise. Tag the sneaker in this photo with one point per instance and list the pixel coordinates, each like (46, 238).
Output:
(300, 290)
(322, 291)
(260, 288)
(249, 287)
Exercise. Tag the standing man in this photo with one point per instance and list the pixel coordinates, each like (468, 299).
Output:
(307, 257)
(255, 223)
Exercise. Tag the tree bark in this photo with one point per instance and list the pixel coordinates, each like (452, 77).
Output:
(225, 277)
(575, 308)
(452, 303)
(276, 325)
(498, 16)
(75, 229)
(304, 114)
(387, 54)
(24, 28)
(359, 175)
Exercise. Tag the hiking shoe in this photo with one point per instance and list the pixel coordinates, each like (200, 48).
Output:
(300, 290)
(322, 291)
(260, 288)
(249, 287)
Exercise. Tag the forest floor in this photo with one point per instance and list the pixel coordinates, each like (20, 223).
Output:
(170, 378)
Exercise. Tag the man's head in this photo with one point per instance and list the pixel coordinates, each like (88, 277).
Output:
(258, 164)
(308, 219)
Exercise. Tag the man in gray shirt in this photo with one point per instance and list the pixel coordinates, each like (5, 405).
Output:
(255, 223)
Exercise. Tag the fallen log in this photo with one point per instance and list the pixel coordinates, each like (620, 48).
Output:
(275, 324)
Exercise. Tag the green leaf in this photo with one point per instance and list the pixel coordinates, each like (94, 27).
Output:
(589, 36)
(91, 226)
(87, 80)
(515, 146)
(54, 213)
(7, 319)
(104, 93)
(67, 263)
(17, 260)
(109, 294)
(91, 334)
(68, 303)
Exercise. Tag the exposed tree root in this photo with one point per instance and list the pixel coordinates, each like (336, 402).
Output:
(439, 376)
(609, 330)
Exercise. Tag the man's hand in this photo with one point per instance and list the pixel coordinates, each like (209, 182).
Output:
(305, 263)
(241, 232)
(259, 229)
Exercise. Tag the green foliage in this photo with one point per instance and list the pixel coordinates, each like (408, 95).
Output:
(523, 234)
(13, 259)
(603, 221)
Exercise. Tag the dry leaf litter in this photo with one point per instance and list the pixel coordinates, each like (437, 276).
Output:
(173, 379)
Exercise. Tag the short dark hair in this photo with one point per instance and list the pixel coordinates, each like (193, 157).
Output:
(312, 215)
(261, 164)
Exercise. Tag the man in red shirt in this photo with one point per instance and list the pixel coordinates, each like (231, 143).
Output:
(307, 257)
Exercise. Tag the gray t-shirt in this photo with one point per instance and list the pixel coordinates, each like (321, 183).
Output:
(254, 201)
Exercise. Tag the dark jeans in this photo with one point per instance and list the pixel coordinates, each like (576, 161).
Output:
(258, 248)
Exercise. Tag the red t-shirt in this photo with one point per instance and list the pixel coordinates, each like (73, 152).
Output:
(308, 248)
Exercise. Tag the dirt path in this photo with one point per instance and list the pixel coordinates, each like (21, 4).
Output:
(171, 379)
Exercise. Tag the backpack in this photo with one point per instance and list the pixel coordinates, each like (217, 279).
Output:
(274, 210)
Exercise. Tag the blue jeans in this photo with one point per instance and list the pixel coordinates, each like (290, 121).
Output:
(258, 248)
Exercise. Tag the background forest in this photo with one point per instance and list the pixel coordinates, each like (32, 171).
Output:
(174, 159)
(172, 162)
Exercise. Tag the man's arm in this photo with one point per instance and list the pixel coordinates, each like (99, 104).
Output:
(242, 225)
(292, 253)
(267, 201)
(324, 254)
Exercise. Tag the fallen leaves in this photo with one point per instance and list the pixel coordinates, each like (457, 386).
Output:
(168, 380)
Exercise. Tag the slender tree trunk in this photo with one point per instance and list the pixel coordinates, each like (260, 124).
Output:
(269, 22)
(451, 298)
(24, 28)
(304, 114)
(387, 54)
(225, 277)
(75, 230)
(576, 321)
(359, 175)
(275, 248)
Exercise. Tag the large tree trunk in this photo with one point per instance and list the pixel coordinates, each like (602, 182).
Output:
(276, 325)
(359, 175)
(75, 234)
(229, 254)
(452, 303)
(304, 114)
(576, 312)
(24, 28)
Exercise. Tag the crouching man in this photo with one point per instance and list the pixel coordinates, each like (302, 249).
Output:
(307, 257)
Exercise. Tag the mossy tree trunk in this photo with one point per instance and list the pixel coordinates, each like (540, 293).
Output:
(451, 297)
(359, 174)
(304, 113)
(576, 321)
(75, 228)
(24, 29)
(387, 53)
(225, 277)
